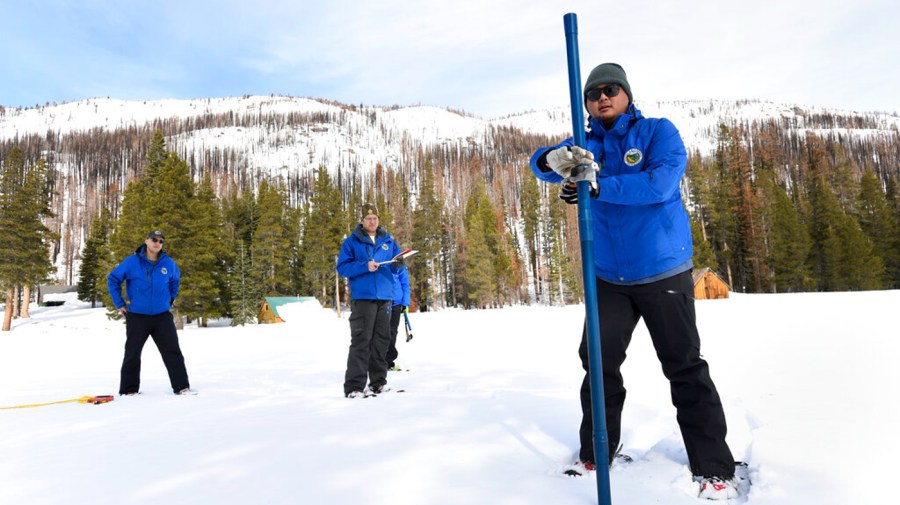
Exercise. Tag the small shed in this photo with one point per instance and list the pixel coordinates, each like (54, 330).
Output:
(708, 285)
(268, 313)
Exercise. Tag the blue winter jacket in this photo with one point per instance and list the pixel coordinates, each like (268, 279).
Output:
(641, 228)
(401, 287)
(353, 263)
(151, 288)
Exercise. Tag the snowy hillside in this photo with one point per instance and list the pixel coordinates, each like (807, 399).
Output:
(489, 414)
(244, 139)
(372, 133)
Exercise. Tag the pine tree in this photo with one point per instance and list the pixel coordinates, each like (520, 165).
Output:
(202, 257)
(269, 248)
(246, 296)
(94, 258)
(479, 270)
(24, 240)
(530, 202)
(322, 237)
(564, 283)
(789, 245)
(842, 257)
(704, 256)
(877, 221)
(426, 238)
(892, 256)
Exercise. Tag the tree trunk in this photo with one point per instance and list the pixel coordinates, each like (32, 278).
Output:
(26, 301)
(7, 314)
(15, 301)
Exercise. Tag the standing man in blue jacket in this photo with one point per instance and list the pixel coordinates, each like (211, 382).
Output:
(151, 280)
(401, 302)
(371, 298)
(642, 260)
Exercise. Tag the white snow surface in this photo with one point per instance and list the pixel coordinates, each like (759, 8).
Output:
(489, 413)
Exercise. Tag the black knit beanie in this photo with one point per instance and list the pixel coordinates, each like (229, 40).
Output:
(608, 73)
(368, 209)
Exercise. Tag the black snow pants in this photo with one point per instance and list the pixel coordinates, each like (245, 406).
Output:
(392, 353)
(162, 328)
(369, 338)
(667, 307)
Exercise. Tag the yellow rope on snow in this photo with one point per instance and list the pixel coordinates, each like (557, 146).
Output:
(96, 400)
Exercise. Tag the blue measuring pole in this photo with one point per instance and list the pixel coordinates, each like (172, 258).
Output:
(586, 233)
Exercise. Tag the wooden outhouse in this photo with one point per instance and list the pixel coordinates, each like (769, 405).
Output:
(708, 285)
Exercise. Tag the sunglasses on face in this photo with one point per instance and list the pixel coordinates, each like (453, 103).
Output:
(158, 240)
(610, 91)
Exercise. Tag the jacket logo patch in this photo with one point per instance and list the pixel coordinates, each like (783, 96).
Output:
(164, 271)
(633, 156)
(384, 246)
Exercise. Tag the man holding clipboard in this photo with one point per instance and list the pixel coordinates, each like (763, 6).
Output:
(369, 258)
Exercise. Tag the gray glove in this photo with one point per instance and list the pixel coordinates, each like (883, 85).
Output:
(563, 160)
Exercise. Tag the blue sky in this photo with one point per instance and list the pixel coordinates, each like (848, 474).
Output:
(489, 58)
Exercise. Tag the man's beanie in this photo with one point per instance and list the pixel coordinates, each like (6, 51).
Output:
(369, 209)
(608, 73)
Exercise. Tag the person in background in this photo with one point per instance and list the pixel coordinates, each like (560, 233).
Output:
(152, 280)
(642, 261)
(365, 259)
(401, 303)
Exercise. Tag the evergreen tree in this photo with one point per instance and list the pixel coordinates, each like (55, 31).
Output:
(704, 256)
(559, 262)
(789, 245)
(530, 202)
(426, 238)
(202, 258)
(479, 262)
(270, 246)
(156, 156)
(892, 257)
(841, 255)
(94, 258)
(322, 237)
(878, 222)
(24, 240)
(246, 296)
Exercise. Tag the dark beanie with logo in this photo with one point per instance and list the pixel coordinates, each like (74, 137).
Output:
(369, 209)
(608, 73)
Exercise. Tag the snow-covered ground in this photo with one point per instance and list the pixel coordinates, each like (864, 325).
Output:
(489, 414)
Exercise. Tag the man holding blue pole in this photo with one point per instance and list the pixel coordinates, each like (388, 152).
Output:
(642, 262)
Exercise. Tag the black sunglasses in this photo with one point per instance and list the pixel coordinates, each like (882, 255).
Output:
(157, 240)
(610, 91)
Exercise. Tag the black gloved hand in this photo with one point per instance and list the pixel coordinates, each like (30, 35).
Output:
(568, 192)
(399, 262)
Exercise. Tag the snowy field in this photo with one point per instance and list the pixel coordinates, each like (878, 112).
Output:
(489, 414)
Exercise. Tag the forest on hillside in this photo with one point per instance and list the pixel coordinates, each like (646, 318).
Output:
(774, 209)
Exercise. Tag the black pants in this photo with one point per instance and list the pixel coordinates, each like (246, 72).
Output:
(391, 357)
(667, 307)
(369, 338)
(162, 328)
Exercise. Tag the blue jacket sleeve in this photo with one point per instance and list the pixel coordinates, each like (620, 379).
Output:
(114, 283)
(660, 177)
(550, 176)
(175, 281)
(404, 285)
(348, 266)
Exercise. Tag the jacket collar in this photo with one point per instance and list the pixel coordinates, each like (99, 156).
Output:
(361, 233)
(624, 120)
